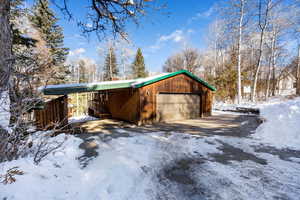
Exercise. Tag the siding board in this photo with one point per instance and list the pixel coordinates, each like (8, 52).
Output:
(177, 84)
(55, 111)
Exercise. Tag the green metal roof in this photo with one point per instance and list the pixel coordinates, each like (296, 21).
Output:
(108, 85)
(174, 74)
(69, 88)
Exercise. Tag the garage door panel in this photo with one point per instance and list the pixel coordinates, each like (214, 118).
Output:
(177, 106)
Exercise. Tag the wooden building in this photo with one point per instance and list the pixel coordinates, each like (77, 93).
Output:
(166, 97)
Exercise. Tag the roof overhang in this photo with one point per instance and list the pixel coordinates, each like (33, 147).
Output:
(142, 84)
(65, 89)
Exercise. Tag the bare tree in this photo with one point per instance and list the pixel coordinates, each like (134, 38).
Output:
(264, 8)
(241, 21)
(174, 63)
(188, 59)
(279, 28)
(191, 59)
(217, 41)
(295, 21)
(298, 73)
(109, 15)
(237, 15)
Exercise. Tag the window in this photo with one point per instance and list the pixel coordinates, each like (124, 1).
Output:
(295, 84)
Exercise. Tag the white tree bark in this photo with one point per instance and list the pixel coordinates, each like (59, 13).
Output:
(298, 73)
(239, 80)
(263, 22)
(271, 64)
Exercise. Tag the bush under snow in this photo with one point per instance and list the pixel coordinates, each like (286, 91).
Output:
(282, 126)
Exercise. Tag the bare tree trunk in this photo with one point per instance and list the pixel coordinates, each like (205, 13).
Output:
(239, 81)
(262, 25)
(253, 96)
(268, 79)
(274, 63)
(216, 60)
(6, 61)
(274, 81)
(110, 67)
(298, 73)
(271, 64)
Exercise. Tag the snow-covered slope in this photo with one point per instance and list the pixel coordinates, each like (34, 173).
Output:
(282, 125)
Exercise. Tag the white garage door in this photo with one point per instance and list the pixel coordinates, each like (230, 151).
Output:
(172, 107)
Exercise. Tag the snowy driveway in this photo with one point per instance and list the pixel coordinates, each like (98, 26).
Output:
(211, 158)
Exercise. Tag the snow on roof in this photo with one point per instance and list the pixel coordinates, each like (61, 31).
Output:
(64, 89)
(96, 85)
(143, 80)
(84, 84)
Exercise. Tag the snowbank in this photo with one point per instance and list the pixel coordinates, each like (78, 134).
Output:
(49, 179)
(225, 106)
(4, 109)
(83, 118)
(282, 126)
(229, 106)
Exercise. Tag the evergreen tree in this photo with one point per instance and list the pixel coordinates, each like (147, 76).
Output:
(17, 11)
(138, 66)
(45, 22)
(110, 67)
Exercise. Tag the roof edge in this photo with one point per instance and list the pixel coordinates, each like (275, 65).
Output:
(174, 74)
(82, 89)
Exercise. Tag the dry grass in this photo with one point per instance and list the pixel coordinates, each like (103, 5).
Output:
(9, 176)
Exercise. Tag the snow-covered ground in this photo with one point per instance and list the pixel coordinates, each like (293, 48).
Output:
(167, 165)
(282, 126)
(282, 121)
(83, 118)
(156, 166)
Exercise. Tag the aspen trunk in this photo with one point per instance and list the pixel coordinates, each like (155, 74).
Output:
(262, 26)
(239, 81)
(271, 65)
(257, 70)
(298, 73)
(268, 80)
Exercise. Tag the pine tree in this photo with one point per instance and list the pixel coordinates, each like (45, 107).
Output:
(138, 66)
(17, 11)
(110, 67)
(45, 22)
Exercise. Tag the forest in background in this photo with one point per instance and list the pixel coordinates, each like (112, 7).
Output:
(250, 43)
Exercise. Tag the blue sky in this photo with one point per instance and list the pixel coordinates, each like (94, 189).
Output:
(159, 35)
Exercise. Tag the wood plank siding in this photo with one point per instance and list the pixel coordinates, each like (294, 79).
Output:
(180, 84)
(54, 112)
(118, 104)
(140, 105)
